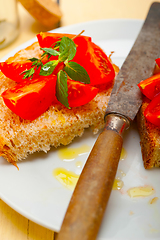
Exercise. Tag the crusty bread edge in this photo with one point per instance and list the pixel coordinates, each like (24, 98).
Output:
(150, 144)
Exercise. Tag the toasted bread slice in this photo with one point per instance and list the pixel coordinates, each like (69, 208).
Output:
(150, 138)
(58, 125)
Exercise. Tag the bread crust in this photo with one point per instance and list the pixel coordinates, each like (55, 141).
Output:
(58, 125)
(150, 138)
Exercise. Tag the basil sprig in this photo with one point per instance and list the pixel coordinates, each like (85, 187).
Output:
(65, 49)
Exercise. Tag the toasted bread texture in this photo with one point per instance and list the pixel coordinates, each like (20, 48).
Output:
(58, 125)
(150, 138)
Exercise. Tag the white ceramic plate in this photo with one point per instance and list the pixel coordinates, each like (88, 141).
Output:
(34, 192)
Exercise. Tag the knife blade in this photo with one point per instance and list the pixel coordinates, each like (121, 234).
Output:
(126, 97)
(90, 197)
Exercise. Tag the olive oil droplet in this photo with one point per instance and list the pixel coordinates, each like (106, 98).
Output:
(140, 191)
(66, 178)
(69, 154)
(118, 184)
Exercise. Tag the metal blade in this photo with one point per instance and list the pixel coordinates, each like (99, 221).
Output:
(126, 97)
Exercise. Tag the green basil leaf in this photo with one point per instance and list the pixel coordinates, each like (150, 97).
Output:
(62, 88)
(50, 51)
(68, 43)
(48, 68)
(64, 55)
(77, 72)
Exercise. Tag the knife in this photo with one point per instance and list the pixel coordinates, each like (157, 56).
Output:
(90, 197)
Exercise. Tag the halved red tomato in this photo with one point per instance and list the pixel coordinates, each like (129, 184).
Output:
(88, 55)
(30, 99)
(80, 93)
(152, 111)
(150, 87)
(13, 70)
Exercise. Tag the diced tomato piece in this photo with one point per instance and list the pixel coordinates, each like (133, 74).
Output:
(30, 99)
(97, 65)
(80, 93)
(152, 111)
(150, 87)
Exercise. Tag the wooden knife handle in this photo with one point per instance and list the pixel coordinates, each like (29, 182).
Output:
(90, 197)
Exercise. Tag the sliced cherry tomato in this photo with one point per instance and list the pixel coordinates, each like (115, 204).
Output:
(88, 55)
(80, 93)
(150, 87)
(152, 111)
(30, 99)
